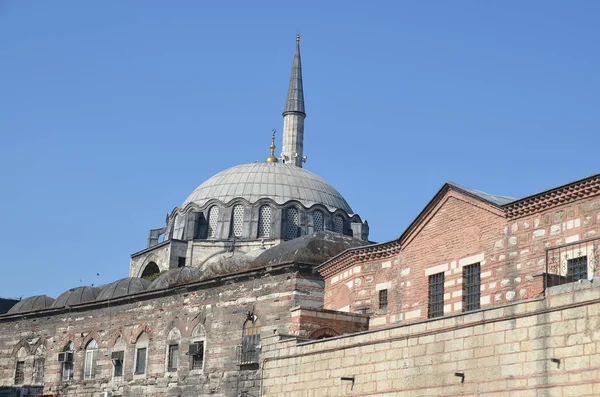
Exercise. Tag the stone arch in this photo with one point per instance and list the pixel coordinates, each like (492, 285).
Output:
(142, 329)
(323, 333)
(22, 344)
(198, 331)
(88, 338)
(174, 335)
(115, 336)
(150, 270)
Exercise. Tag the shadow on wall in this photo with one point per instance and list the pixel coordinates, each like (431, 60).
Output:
(22, 391)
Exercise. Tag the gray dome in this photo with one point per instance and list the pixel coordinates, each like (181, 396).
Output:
(36, 302)
(76, 295)
(277, 181)
(123, 287)
(178, 276)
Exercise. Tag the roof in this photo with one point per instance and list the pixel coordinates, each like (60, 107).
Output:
(490, 198)
(175, 277)
(76, 296)
(122, 287)
(278, 181)
(36, 302)
(294, 102)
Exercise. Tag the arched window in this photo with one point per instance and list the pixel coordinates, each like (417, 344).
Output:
(237, 221)
(150, 271)
(173, 350)
(197, 348)
(20, 366)
(141, 354)
(89, 365)
(264, 221)
(317, 217)
(338, 224)
(39, 363)
(250, 349)
(67, 357)
(213, 217)
(292, 226)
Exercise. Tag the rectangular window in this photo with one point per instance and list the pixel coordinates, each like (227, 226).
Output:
(40, 363)
(197, 354)
(89, 365)
(471, 287)
(140, 361)
(436, 295)
(67, 371)
(181, 261)
(383, 298)
(118, 364)
(20, 373)
(577, 268)
(173, 358)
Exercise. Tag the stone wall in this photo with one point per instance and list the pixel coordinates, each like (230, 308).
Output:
(541, 347)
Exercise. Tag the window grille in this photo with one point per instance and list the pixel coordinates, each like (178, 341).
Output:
(237, 221)
(40, 363)
(20, 373)
(317, 221)
(173, 358)
(338, 224)
(198, 354)
(118, 364)
(292, 228)
(436, 295)
(89, 366)
(213, 216)
(471, 287)
(264, 221)
(383, 298)
(140, 361)
(249, 351)
(577, 268)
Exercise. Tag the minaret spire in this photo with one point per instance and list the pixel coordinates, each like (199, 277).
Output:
(294, 115)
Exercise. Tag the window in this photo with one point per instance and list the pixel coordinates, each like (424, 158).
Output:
(436, 295)
(471, 287)
(181, 261)
(250, 348)
(196, 353)
(264, 221)
(67, 357)
(89, 365)
(338, 224)
(38, 365)
(317, 217)
(383, 298)
(577, 268)
(140, 361)
(237, 221)
(173, 358)
(292, 226)
(20, 372)
(117, 360)
(213, 216)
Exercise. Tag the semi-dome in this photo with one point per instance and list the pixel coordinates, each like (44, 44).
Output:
(36, 302)
(76, 295)
(174, 277)
(123, 287)
(277, 181)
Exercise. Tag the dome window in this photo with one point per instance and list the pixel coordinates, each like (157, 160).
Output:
(237, 221)
(213, 215)
(317, 217)
(292, 227)
(338, 224)
(264, 221)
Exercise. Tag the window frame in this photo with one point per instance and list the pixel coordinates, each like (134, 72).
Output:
(39, 367)
(382, 299)
(67, 370)
(435, 303)
(89, 362)
(471, 292)
(580, 264)
(19, 374)
(172, 357)
(136, 364)
(121, 366)
(193, 358)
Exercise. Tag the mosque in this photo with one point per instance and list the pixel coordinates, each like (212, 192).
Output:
(263, 282)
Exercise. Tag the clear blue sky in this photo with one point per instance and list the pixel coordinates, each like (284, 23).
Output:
(111, 113)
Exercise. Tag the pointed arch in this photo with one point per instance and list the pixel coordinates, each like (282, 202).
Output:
(92, 335)
(323, 333)
(22, 344)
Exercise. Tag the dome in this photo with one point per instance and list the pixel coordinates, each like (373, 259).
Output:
(32, 303)
(76, 295)
(178, 276)
(123, 287)
(277, 181)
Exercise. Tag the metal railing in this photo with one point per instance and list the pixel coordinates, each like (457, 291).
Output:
(247, 354)
(572, 262)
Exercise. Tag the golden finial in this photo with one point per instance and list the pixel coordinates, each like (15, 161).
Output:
(272, 158)
(298, 38)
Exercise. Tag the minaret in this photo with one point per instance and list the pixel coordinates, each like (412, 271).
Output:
(293, 115)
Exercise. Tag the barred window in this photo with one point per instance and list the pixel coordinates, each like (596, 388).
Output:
(471, 287)
(264, 221)
(237, 221)
(197, 354)
(577, 268)
(89, 365)
(173, 358)
(436, 295)
(20, 373)
(338, 224)
(383, 298)
(213, 216)
(317, 221)
(292, 229)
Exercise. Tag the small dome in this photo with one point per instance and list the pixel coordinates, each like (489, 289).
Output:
(174, 277)
(76, 296)
(36, 302)
(277, 181)
(123, 287)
